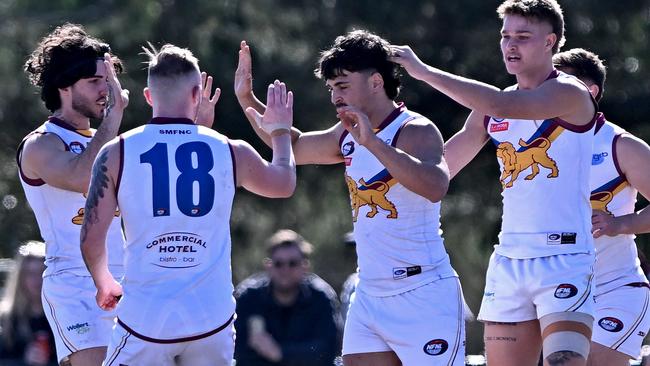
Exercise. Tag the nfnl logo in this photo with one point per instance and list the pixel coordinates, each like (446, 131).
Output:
(498, 127)
(348, 148)
(597, 159)
(77, 147)
(565, 291)
(435, 347)
(611, 324)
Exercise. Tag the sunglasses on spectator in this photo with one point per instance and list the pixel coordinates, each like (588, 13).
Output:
(291, 263)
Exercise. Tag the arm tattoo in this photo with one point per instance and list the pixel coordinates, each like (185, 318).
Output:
(98, 183)
(562, 357)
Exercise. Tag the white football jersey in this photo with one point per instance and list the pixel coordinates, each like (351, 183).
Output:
(397, 232)
(617, 262)
(545, 178)
(175, 191)
(60, 213)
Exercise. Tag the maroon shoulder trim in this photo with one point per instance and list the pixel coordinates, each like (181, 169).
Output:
(399, 130)
(343, 135)
(573, 128)
(234, 164)
(32, 182)
(121, 168)
(486, 121)
(176, 340)
(391, 117)
(615, 156)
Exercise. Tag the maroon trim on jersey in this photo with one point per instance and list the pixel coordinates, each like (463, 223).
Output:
(391, 117)
(176, 340)
(399, 130)
(65, 125)
(343, 135)
(234, 164)
(30, 181)
(615, 156)
(486, 121)
(121, 168)
(170, 121)
(600, 121)
(554, 74)
(573, 128)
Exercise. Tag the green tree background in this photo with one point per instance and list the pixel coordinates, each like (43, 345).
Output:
(460, 36)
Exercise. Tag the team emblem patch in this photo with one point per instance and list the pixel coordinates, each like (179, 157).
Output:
(611, 324)
(77, 147)
(347, 148)
(565, 291)
(435, 347)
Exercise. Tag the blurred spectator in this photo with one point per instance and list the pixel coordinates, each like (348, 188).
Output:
(350, 284)
(286, 316)
(25, 336)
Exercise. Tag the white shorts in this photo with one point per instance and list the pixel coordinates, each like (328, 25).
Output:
(622, 319)
(423, 326)
(76, 320)
(518, 290)
(214, 350)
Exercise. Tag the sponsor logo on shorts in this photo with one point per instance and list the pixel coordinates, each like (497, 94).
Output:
(80, 328)
(597, 159)
(403, 272)
(641, 333)
(561, 238)
(435, 347)
(565, 291)
(77, 147)
(347, 148)
(488, 296)
(499, 127)
(611, 324)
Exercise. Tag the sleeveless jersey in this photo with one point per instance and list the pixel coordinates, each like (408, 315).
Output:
(617, 263)
(60, 212)
(545, 179)
(397, 232)
(175, 190)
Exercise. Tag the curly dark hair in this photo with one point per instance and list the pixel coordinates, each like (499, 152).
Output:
(62, 58)
(360, 50)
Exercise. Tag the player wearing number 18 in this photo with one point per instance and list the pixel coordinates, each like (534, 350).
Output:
(174, 183)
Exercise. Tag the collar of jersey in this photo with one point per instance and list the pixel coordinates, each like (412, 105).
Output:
(63, 124)
(391, 117)
(171, 121)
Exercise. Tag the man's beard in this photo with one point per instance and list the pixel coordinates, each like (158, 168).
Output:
(82, 106)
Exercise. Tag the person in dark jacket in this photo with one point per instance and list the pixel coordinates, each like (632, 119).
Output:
(286, 315)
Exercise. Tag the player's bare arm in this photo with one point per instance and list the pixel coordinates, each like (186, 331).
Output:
(461, 148)
(99, 211)
(205, 113)
(277, 179)
(417, 162)
(634, 160)
(318, 147)
(568, 98)
(45, 156)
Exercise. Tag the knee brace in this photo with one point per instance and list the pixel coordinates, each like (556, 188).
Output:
(567, 331)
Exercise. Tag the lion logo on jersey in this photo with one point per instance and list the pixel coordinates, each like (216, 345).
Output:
(600, 200)
(79, 218)
(373, 195)
(514, 162)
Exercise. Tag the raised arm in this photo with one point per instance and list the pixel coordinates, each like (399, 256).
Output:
(317, 147)
(567, 98)
(99, 212)
(45, 156)
(277, 179)
(461, 148)
(633, 156)
(417, 161)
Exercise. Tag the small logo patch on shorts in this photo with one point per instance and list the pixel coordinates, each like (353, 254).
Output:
(435, 347)
(403, 272)
(565, 291)
(561, 238)
(611, 324)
